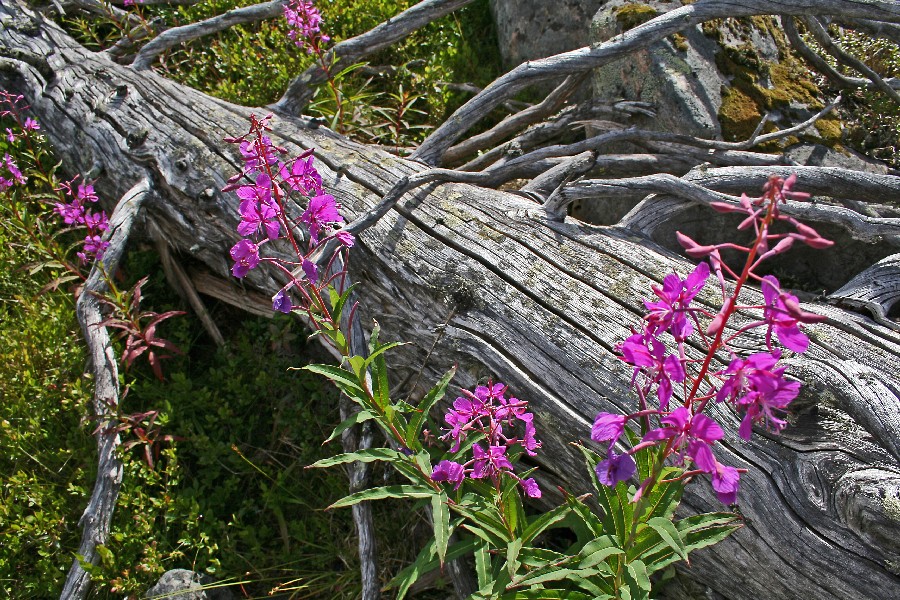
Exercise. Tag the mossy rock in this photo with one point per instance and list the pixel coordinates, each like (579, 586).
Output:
(630, 15)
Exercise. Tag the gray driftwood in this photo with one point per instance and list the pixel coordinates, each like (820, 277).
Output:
(536, 302)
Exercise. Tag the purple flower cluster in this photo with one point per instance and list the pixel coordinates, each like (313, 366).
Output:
(487, 411)
(74, 212)
(305, 23)
(15, 175)
(754, 385)
(262, 186)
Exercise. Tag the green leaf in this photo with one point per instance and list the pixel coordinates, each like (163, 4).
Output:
(441, 517)
(488, 519)
(550, 595)
(483, 564)
(585, 516)
(665, 497)
(513, 509)
(363, 456)
(512, 557)
(338, 304)
(426, 562)
(667, 531)
(433, 396)
(342, 378)
(544, 522)
(550, 573)
(391, 491)
(357, 363)
(354, 419)
(597, 551)
(638, 572)
(381, 350)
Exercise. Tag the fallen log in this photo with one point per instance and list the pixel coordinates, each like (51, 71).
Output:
(502, 288)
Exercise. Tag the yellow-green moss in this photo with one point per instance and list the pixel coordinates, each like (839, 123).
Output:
(680, 42)
(739, 114)
(830, 130)
(632, 14)
(759, 86)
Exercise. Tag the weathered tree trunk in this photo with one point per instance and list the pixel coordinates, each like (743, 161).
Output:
(536, 303)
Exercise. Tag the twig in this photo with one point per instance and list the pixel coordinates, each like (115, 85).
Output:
(696, 186)
(301, 89)
(179, 280)
(98, 514)
(642, 36)
(178, 35)
(513, 123)
(830, 46)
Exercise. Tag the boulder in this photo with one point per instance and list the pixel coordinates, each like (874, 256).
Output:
(182, 584)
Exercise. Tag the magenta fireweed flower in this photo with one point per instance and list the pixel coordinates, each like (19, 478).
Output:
(648, 355)
(489, 463)
(608, 428)
(255, 157)
(302, 176)
(310, 270)
(615, 468)
(778, 317)
(690, 434)
(735, 375)
(71, 213)
(725, 482)
(489, 412)
(675, 297)
(530, 487)
(246, 256)
(94, 247)
(320, 214)
(281, 302)
(345, 238)
(767, 392)
(449, 471)
(96, 221)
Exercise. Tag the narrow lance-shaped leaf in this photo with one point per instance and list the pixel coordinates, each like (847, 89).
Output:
(433, 396)
(354, 419)
(440, 513)
(364, 456)
(380, 493)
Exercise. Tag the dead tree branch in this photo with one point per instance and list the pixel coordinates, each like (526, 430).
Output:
(583, 59)
(104, 364)
(178, 35)
(300, 91)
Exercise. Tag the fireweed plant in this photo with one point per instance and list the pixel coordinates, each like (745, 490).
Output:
(305, 30)
(472, 488)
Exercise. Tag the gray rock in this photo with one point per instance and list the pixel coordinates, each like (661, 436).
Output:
(683, 83)
(183, 584)
(817, 155)
(530, 29)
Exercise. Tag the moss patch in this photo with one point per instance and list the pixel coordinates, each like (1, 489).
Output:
(758, 85)
(680, 42)
(739, 114)
(630, 15)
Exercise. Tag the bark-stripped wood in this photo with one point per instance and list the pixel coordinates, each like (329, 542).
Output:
(104, 365)
(537, 303)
